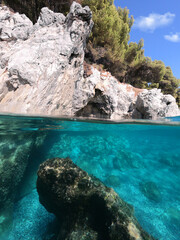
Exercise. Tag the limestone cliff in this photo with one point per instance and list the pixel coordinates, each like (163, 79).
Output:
(41, 71)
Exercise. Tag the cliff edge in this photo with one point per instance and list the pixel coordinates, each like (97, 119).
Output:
(42, 71)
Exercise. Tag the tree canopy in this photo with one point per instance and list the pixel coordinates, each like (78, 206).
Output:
(122, 58)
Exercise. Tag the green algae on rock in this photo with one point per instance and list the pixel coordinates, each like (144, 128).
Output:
(85, 207)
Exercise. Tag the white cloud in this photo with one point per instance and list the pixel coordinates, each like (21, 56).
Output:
(173, 37)
(154, 21)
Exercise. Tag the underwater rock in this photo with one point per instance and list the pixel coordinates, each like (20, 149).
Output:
(174, 215)
(127, 159)
(14, 155)
(151, 191)
(85, 207)
(113, 181)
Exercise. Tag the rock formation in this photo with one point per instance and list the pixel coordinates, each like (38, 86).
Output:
(14, 155)
(41, 71)
(40, 74)
(86, 208)
(153, 104)
(109, 98)
(151, 191)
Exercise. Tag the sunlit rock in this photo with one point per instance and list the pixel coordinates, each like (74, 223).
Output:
(40, 75)
(42, 71)
(153, 104)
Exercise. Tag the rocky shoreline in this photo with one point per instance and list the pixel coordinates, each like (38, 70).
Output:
(42, 72)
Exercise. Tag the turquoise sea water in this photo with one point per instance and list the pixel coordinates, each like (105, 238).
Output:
(140, 160)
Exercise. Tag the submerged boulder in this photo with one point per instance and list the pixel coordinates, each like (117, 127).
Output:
(15, 150)
(85, 207)
(151, 191)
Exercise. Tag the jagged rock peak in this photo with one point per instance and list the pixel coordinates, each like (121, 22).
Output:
(76, 11)
(48, 17)
(14, 26)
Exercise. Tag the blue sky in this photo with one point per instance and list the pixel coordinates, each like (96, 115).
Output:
(158, 23)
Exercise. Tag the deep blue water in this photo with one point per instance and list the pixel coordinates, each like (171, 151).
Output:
(140, 161)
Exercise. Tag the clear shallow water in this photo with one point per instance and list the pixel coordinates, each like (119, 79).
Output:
(140, 161)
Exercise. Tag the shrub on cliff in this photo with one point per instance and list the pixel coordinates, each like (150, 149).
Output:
(109, 47)
(111, 28)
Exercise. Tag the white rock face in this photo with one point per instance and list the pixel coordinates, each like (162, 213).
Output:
(41, 71)
(153, 104)
(13, 26)
(101, 95)
(39, 75)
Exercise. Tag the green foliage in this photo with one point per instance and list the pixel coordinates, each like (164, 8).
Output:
(158, 71)
(111, 27)
(169, 83)
(163, 77)
(127, 62)
(29, 7)
(134, 53)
